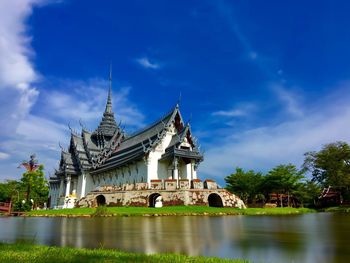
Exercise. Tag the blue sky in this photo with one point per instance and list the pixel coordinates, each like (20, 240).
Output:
(263, 81)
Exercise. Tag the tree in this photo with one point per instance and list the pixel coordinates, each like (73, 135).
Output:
(308, 193)
(10, 190)
(331, 166)
(245, 184)
(283, 179)
(34, 181)
(35, 185)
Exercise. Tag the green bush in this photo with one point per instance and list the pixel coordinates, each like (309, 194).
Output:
(21, 207)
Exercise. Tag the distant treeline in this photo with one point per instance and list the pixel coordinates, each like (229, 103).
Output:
(286, 185)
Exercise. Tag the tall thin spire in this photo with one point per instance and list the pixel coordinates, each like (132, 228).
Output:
(110, 76)
(108, 125)
(109, 99)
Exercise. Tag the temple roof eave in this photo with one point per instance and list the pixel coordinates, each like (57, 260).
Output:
(182, 153)
(118, 163)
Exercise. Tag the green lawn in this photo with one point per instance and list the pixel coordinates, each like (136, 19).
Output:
(35, 254)
(171, 210)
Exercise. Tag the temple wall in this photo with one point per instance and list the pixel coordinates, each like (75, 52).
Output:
(142, 171)
(155, 169)
(89, 183)
(79, 186)
(54, 193)
(163, 167)
(182, 170)
(134, 173)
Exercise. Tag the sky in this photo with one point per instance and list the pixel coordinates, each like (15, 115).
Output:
(260, 82)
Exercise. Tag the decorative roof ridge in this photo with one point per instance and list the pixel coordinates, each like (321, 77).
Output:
(186, 128)
(108, 149)
(76, 135)
(84, 130)
(86, 146)
(65, 152)
(153, 124)
(72, 131)
(183, 133)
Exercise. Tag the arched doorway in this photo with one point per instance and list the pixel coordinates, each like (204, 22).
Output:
(215, 200)
(152, 199)
(100, 200)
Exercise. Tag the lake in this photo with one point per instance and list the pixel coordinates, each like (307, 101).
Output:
(315, 237)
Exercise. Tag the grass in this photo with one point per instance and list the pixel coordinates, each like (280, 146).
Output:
(168, 211)
(23, 252)
(101, 211)
(340, 209)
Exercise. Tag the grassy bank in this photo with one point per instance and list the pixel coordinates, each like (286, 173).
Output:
(35, 254)
(338, 209)
(170, 211)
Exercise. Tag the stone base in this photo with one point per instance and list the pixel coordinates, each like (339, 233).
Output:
(205, 197)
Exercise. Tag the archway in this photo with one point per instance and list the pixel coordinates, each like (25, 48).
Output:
(215, 200)
(152, 199)
(100, 200)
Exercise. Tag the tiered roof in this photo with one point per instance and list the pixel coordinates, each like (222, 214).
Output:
(109, 147)
(108, 125)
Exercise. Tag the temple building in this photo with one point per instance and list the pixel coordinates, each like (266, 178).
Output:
(108, 166)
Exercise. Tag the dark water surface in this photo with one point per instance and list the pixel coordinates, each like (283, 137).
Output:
(319, 237)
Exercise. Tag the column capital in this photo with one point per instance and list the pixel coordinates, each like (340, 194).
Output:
(175, 162)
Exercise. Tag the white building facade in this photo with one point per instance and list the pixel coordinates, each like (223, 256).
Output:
(165, 150)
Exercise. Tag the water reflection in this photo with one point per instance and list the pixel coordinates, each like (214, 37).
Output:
(304, 238)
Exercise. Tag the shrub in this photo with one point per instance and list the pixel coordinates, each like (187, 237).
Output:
(21, 207)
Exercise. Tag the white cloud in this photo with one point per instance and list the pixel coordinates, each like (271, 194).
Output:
(146, 63)
(41, 134)
(15, 66)
(242, 110)
(262, 148)
(289, 99)
(229, 113)
(17, 73)
(32, 128)
(41, 131)
(87, 101)
(4, 156)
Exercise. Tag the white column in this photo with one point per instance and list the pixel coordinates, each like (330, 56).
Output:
(192, 170)
(68, 186)
(83, 185)
(176, 170)
(194, 175)
(188, 169)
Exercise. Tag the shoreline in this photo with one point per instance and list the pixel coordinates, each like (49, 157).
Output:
(26, 252)
(166, 211)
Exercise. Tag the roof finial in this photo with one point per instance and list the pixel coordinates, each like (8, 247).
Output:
(81, 124)
(70, 128)
(178, 100)
(109, 99)
(190, 119)
(59, 144)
